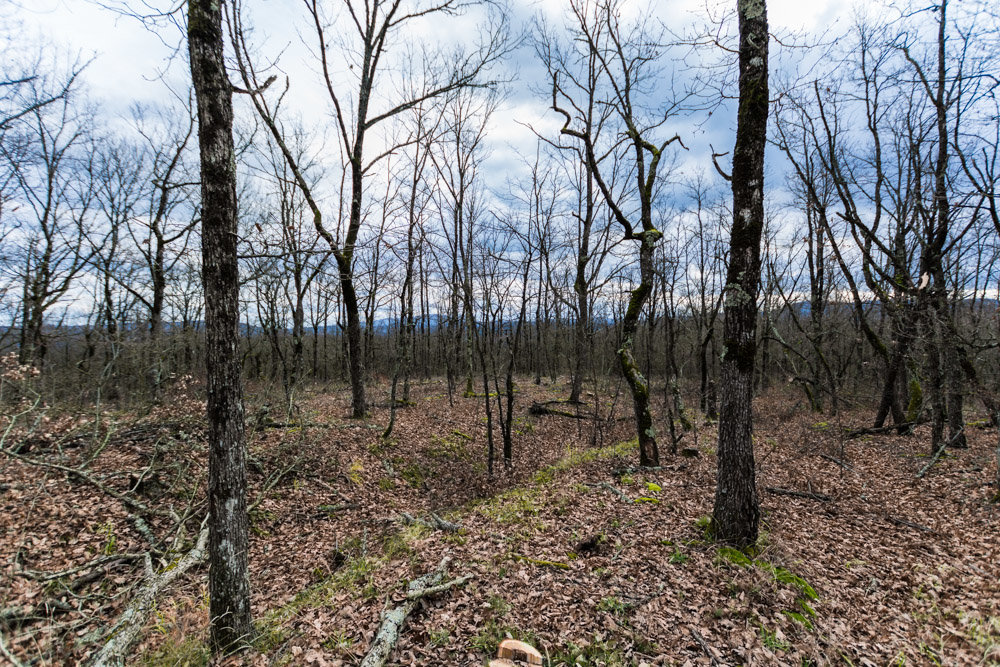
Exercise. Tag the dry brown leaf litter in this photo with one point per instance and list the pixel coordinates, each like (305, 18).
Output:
(904, 569)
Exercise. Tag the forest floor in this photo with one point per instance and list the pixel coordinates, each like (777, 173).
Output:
(574, 550)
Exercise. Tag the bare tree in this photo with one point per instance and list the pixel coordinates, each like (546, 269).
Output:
(52, 172)
(374, 31)
(626, 58)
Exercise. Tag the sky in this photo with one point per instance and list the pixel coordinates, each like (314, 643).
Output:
(129, 60)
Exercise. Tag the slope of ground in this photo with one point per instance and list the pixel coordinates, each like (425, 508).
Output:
(574, 550)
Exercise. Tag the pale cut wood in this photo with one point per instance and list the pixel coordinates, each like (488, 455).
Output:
(512, 649)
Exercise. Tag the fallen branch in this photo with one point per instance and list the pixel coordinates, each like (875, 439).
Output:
(270, 424)
(882, 430)
(798, 494)
(79, 474)
(910, 524)
(612, 489)
(37, 575)
(704, 645)
(127, 630)
(833, 459)
(939, 452)
(393, 620)
(7, 654)
(434, 522)
(542, 409)
(20, 614)
(271, 482)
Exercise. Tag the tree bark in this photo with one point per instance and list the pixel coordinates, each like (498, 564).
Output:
(229, 584)
(649, 453)
(736, 516)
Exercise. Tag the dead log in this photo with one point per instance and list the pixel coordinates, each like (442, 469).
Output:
(822, 497)
(126, 632)
(393, 619)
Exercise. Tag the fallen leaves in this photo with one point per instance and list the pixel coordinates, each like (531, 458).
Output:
(902, 567)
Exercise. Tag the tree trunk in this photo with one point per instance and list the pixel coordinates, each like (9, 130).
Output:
(736, 515)
(649, 454)
(229, 583)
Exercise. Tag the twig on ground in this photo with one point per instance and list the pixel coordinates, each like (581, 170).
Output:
(272, 482)
(704, 645)
(798, 494)
(612, 489)
(434, 522)
(834, 459)
(910, 524)
(939, 452)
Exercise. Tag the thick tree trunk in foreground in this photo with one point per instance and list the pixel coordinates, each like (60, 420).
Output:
(229, 584)
(737, 509)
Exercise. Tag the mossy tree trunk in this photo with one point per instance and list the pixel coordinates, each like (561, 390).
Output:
(632, 53)
(649, 454)
(736, 516)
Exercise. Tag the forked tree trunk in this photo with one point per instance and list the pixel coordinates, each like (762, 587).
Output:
(737, 509)
(229, 584)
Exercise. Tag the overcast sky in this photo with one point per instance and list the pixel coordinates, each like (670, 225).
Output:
(128, 60)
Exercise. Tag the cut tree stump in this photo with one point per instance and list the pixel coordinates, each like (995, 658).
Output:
(510, 650)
